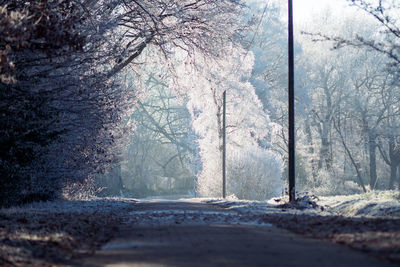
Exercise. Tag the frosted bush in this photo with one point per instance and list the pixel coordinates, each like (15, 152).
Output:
(209, 181)
(255, 174)
(329, 184)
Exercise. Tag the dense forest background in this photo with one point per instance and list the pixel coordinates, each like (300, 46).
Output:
(124, 98)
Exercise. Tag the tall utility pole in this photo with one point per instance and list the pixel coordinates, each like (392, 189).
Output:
(224, 146)
(292, 141)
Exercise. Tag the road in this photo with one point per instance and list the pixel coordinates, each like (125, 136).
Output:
(168, 233)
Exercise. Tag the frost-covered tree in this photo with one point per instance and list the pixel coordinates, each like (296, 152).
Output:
(63, 96)
(366, 119)
(358, 125)
(386, 40)
(269, 77)
(386, 13)
(199, 24)
(158, 159)
(253, 170)
(60, 112)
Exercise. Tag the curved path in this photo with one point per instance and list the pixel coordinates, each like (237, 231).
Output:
(194, 234)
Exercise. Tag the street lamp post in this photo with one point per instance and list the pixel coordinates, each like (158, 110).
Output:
(291, 105)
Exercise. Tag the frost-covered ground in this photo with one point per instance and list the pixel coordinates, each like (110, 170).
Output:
(371, 204)
(376, 204)
(368, 222)
(52, 233)
(194, 211)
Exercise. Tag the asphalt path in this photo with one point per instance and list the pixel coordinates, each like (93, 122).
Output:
(215, 243)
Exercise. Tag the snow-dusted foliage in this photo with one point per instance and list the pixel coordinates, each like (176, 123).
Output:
(249, 130)
(254, 174)
(71, 72)
(64, 99)
(61, 113)
(347, 117)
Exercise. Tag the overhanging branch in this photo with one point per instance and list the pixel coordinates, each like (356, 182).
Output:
(136, 52)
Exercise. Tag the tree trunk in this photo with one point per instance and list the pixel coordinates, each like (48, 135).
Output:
(393, 176)
(356, 167)
(394, 155)
(398, 177)
(325, 157)
(372, 160)
(311, 149)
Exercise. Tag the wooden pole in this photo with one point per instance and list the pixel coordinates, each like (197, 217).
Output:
(224, 146)
(291, 104)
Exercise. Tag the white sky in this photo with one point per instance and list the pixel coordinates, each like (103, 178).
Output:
(305, 10)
